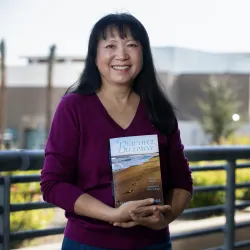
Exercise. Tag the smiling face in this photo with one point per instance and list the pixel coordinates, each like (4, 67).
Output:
(119, 60)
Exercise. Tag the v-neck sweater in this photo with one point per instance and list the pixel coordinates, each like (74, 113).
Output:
(77, 162)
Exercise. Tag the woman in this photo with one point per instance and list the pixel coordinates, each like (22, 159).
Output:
(117, 95)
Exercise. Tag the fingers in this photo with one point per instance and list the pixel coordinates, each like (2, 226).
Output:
(164, 208)
(149, 210)
(141, 220)
(143, 211)
(156, 221)
(145, 202)
(134, 217)
(125, 224)
(157, 213)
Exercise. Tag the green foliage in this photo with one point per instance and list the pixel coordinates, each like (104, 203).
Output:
(207, 178)
(202, 199)
(218, 106)
(27, 220)
(236, 140)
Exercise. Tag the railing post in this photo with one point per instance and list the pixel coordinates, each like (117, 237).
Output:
(230, 206)
(5, 216)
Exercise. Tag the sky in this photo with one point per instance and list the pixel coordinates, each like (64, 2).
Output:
(29, 27)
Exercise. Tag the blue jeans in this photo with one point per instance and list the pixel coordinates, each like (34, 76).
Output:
(73, 245)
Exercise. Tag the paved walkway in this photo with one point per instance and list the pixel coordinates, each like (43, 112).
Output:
(54, 246)
(176, 227)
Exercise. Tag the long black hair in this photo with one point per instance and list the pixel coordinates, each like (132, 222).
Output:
(146, 84)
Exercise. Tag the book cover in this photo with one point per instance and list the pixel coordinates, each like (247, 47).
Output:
(135, 163)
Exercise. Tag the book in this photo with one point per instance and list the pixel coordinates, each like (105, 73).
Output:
(136, 170)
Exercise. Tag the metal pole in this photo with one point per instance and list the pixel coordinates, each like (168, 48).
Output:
(49, 88)
(229, 239)
(5, 216)
(2, 96)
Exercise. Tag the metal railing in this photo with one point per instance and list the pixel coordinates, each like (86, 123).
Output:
(33, 160)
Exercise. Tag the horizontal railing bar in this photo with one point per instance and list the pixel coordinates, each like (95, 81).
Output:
(241, 244)
(193, 168)
(216, 208)
(11, 160)
(209, 188)
(243, 205)
(53, 231)
(200, 232)
(207, 168)
(42, 205)
(210, 153)
(216, 248)
(35, 233)
(243, 165)
(217, 167)
(242, 224)
(33, 160)
(206, 231)
(40, 233)
(36, 178)
(30, 206)
(25, 178)
(243, 185)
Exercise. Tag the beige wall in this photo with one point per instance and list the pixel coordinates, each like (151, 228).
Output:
(28, 102)
(26, 106)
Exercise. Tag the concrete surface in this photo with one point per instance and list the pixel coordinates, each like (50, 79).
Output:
(196, 243)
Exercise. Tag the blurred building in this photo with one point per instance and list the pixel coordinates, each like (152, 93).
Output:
(26, 95)
(181, 71)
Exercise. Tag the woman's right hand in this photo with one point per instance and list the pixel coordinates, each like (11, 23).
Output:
(122, 213)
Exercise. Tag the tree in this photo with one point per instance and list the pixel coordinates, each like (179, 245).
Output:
(220, 104)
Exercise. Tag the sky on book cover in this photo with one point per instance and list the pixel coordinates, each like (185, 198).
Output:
(132, 151)
(123, 162)
(132, 145)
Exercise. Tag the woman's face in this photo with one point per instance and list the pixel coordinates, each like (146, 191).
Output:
(119, 60)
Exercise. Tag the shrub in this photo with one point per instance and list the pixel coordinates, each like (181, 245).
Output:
(201, 199)
(236, 140)
(27, 220)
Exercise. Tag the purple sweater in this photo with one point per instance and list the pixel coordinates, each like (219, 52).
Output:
(77, 162)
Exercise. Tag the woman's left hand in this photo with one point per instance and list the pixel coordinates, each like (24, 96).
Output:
(155, 221)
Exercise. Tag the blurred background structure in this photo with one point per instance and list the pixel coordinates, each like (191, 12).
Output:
(201, 51)
(32, 91)
(191, 42)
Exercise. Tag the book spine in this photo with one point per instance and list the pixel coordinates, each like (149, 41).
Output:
(112, 178)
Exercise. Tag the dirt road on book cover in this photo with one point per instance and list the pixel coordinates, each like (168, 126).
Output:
(139, 182)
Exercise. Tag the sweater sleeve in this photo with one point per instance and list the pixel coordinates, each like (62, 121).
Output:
(179, 173)
(61, 157)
